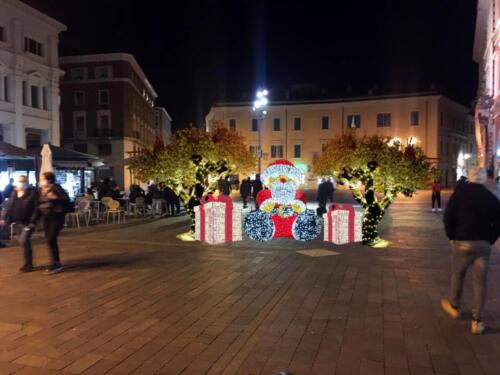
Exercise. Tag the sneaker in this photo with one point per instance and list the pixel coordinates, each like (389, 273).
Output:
(450, 309)
(26, 268)
(440, 210)
(477, 327)
(52, 270)
(433, 210)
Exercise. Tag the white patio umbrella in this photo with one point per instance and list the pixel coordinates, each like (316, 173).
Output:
(46, 154)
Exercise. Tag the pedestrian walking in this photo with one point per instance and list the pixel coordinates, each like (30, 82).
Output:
(170, 198)
(323, 195)
(472, 223)
(20, 209)
(53, 204)
(245, 191)
(156, 199)
(256, 187)
(436, 195)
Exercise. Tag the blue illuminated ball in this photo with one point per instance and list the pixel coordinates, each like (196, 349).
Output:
(259, 226)
(307, 226)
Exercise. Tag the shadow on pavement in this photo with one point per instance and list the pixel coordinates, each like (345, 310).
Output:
(88, 264)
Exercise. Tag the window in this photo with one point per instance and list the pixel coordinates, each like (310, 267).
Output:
(103, 97)
(414, 118)
(253, 150)
(297, 151)
(45, 98)
(80, 147)
(104, 149)
(276, 151)
(79, 98)
(79, 73)
(25, 92)
(6, 91)
(325, 122)
(103, 71)
(35, 100)
(276, 125)
(2, 34)
(354, 121)
(383, 120)
(232, 124)
(297, 123)
(79, 126)
(104, 121)
(32, 46)
(255, 125)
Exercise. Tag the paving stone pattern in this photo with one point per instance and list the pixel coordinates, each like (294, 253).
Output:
(137, 301)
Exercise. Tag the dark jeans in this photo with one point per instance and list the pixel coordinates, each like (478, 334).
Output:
(436, 197)
(53, 225)
(475, 254)
(24, 239)
(171, 208)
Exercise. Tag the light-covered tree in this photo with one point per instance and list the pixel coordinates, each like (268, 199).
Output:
(194, 161)
(376, 169)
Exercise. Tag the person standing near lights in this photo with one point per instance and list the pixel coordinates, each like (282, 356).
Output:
(256, 187)
(436, 195)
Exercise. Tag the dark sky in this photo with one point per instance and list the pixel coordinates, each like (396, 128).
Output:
(198, 52)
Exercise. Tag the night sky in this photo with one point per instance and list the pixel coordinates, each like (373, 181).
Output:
(196, 53)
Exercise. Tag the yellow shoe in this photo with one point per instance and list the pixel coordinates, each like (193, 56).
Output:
(477, 327)
(450, 310)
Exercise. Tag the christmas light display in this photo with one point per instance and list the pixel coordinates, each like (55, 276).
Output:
(282, 209)
(218, 220)
(343, 224)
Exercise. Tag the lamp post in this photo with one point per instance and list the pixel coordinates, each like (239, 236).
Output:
(259, 107)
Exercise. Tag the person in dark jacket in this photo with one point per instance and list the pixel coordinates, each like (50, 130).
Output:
(53, 203)
(170, 198)
(256, 187)
(21, 210)
(225, 186)
(245, 190)
(323, 195)
(331, 189)
(135, 192)
(472, 223)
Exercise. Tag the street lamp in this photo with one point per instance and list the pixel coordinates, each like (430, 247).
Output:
(259, 107)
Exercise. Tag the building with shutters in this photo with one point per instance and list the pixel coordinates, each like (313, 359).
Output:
(298, 130)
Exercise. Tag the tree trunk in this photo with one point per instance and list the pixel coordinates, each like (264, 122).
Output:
(373, 216)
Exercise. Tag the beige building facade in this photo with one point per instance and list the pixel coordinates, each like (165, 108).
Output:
(297, 131)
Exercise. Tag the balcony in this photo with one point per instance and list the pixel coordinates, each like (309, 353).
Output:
(105, 132)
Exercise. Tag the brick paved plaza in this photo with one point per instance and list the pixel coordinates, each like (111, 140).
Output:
(135, 300)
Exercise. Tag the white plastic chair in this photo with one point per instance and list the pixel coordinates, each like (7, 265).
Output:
(114, 210)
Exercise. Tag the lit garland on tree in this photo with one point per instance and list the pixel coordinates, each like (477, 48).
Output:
(376, 170)
(193, 162)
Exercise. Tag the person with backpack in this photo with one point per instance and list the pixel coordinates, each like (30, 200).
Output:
(53, 204)
(472, 223)
(20, 209)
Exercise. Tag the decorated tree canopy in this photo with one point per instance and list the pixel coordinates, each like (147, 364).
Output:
(376, 171)
(194, 161)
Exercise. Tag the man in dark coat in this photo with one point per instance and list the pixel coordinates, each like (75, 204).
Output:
(323, 195)
(225, 186)
(245, 190)
(472, 223)
(21, 210)
(256, 187)
(331, 189)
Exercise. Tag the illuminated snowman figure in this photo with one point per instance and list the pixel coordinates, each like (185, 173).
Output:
(282, 209)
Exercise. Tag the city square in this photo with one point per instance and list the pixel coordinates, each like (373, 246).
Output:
(271, 187)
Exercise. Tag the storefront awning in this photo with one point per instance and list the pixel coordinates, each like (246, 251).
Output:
(8, 151)
(64, 158)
